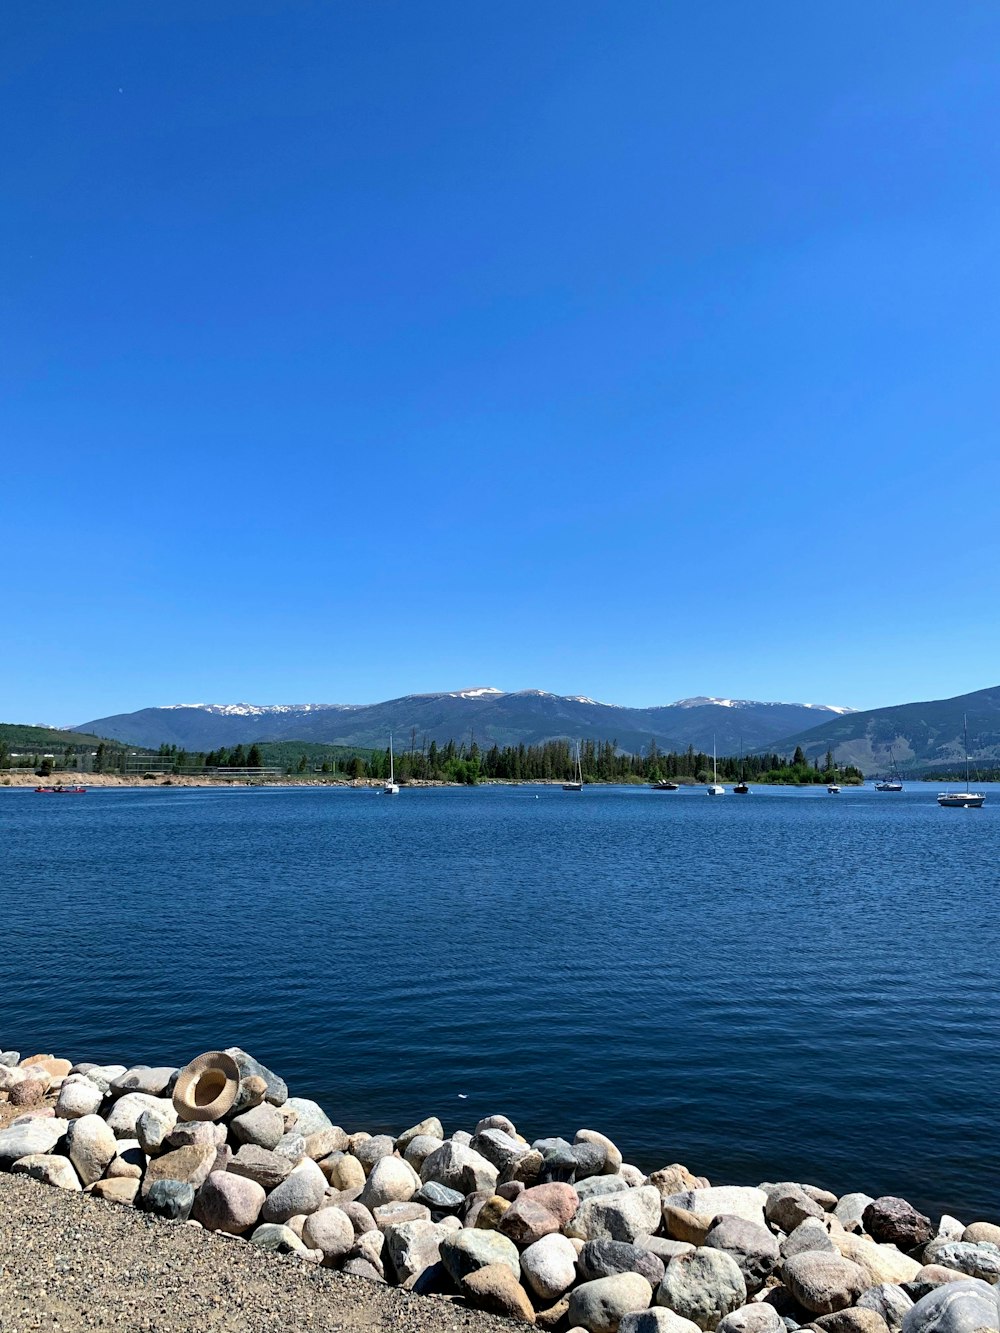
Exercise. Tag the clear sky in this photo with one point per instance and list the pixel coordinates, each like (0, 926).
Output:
(631, 350)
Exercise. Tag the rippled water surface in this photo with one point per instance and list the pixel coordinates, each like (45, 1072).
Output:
(782, 986)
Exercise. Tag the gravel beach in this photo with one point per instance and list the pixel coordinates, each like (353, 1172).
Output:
(68, 1262)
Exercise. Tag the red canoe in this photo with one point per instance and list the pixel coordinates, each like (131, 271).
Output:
(62, 791)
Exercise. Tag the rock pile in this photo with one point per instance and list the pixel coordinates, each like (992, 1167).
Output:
(560, 1233)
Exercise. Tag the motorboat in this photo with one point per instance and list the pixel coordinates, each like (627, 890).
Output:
(664, 784)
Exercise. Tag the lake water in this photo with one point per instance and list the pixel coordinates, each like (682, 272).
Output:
(788, 985)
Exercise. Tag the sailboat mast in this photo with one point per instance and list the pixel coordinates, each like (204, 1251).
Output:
(965, 729)
(391, 766)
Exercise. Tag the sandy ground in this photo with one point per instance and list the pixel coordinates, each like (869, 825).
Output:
(69, 1262)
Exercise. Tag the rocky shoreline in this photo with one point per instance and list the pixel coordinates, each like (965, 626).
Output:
(558, 1232)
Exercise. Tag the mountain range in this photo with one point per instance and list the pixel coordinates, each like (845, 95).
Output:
(921, 736)
(488, 715)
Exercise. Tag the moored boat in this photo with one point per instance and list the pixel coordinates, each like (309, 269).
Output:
(665, 784)
(968, 799)
(391, 786)
(577, 783)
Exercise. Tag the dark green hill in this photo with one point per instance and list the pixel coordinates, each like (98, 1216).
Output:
(16, 736)
(923, 736)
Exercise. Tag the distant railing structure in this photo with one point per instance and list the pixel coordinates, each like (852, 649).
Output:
(164, 766)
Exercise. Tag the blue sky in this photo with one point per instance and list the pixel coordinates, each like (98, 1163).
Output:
(636, 351)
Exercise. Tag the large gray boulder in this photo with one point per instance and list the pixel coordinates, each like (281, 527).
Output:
(958, 1307)
(549, 1266)
(40, 1134)
(810, 1234)
(889, 1301)
(658, 1319)
(604, 1258)
(757, 1317)
(823, 1283)
(413, 1249)
(310, 1116)
(788, 1204)
(462, 1252)
(302, 1191)
(735, 1200)
(601, 1305)
(459, 1167)
(753, 1247)
(277, 1088)
(621, 1216)
(703, 1286)
(977, 1260)
(262, 1125)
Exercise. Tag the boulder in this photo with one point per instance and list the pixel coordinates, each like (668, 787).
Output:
(429, 1128)
(852, 1320)
(124, 1115)
(172, 1199)
(26, 1138)
(889, 1301)
(50, 1168)
(262, 1126)
(291, 1145)
(462, 1252)
(371, 1149)
(593, 1186)
(114, 1191)
(759, 1317)
(439, 1198)
(604, 1258)
(155, 1081)
(612, 1156)
(753, 1247)
(600, 1306)
(412, 1248)
(788, 1204)
(736, 1200)
(388, 1214)
(228, 1203)
(496, 1289)
(419, 1148)
(278, 1239)
(498, 1147)
(657, 1319)
(703, 1286)
(326, 1141)
(391, 1180)
(267, 1168)
(823, 1283)
(548, 1266)
(329, 1230)
(310, 1116)
(492, 1211)
(676, 1179)
(153, 1128)
(980, 1231)
(302, 1191)
(810, 1234)
(959, 1307)
(460, 1168)
(361, 1219)
(850, 1210)
(78, 1097)
(344, 1172)
(91, 1146)
(893, 1221)
(538, 1211)
(883, 1263)
(277, 1089)
(621, 1216)
(980, 1260)
(191, 1165)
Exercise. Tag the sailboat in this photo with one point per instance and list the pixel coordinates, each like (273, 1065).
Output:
(577, 783)
(391, 786)
(964, 800)
(714, 789)
(893, 782)
(741, 788)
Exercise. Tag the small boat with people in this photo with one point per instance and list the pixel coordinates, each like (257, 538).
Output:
(664, 784)
(59, 789)
(968, 799)
(833, 789)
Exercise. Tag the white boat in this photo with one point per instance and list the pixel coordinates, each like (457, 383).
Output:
(833, 789)
(893, 782)
(577, 783)
(714, 787)
(741, 788)
(391, 787)
(963, 800)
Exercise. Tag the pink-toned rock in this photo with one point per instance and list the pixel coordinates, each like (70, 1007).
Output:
(120, 1190)
(54, 1067)
(539, 1211)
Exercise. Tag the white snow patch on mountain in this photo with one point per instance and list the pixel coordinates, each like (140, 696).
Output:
(480, 692)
